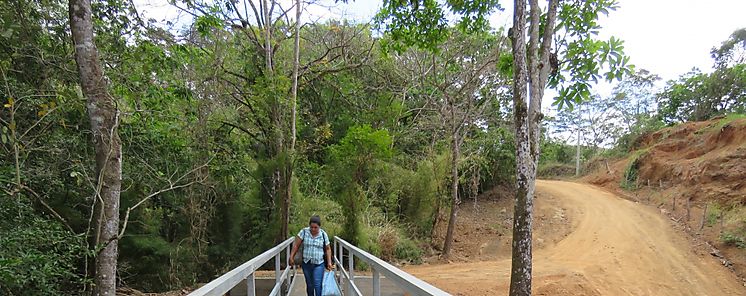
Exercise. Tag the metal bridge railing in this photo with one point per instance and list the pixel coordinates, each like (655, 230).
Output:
(245, 272)
(407, 282)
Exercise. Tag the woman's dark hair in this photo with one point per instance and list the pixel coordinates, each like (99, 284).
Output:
(315, 219)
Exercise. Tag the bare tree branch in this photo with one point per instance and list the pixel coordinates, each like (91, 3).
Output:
(43, 203)
(171, 186)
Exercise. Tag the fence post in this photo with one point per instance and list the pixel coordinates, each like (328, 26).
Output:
(673, 207)
(721, 219)
(688, 208)
(337, 253)
(704, 218)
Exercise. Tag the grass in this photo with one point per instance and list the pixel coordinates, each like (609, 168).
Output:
(713, 214)
(556, 169)
(716, 127)
(729, 119)
(629, 181)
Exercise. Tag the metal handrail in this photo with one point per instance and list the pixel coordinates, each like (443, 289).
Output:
(408, 282)
(233, 278)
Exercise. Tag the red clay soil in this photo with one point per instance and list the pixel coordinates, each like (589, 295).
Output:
(684, 168)
(614, 247)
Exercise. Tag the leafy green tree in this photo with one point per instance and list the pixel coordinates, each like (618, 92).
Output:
(38, 256)
(634, 98)
(351, 163)
(573, 66)
(454, 87)
(732, 51)
(699, 96)
(581, 57)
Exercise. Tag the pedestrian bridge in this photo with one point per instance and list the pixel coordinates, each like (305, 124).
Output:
(385, 279)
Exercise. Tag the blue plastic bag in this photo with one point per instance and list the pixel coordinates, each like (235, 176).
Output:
(329, 285)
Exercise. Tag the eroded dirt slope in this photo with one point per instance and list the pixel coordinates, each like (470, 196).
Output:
(615, 247)
(696, 173)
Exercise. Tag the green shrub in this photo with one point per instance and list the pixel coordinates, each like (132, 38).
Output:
(731, 239)
(387, 241)
(713, 214)
(407, 249)
(555, 169)
(629, 180)
(37, 256)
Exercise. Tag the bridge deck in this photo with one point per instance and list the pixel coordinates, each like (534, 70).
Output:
(364, 283)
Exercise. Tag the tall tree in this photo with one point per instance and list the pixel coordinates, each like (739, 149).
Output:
(422, 24)
(265, 93)
(634, 98)
(536, 66)
(520, 275)
(293, 114)
(574, 64)
(700, 96)
(732, 51)
(104, 119)
(458, 83)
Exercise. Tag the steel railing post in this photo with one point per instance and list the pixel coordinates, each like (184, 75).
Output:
(351, 272)
(250, 285)
(277, 268)
(376, 283)
(287, 265)
(341, 251)
(336, 252)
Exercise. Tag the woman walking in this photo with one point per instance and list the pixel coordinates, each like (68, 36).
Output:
(315, 246)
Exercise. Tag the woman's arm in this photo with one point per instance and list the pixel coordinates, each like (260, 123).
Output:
(296, 245)
(329, 262)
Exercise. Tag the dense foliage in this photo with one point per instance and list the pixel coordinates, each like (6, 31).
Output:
(200, 127)
(205, 126)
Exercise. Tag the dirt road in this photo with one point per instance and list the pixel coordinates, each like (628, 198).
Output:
(616, 247)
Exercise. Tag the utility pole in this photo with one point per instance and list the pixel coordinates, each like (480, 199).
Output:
(577, 152)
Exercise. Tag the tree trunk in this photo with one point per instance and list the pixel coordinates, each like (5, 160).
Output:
(267, 18)
(296, 61)
(455, 151)
(103, 114)
(281, 187)
(520, 275)
(528, 130)
(288, 197)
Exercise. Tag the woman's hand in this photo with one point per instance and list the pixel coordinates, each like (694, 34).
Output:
(329, 266)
